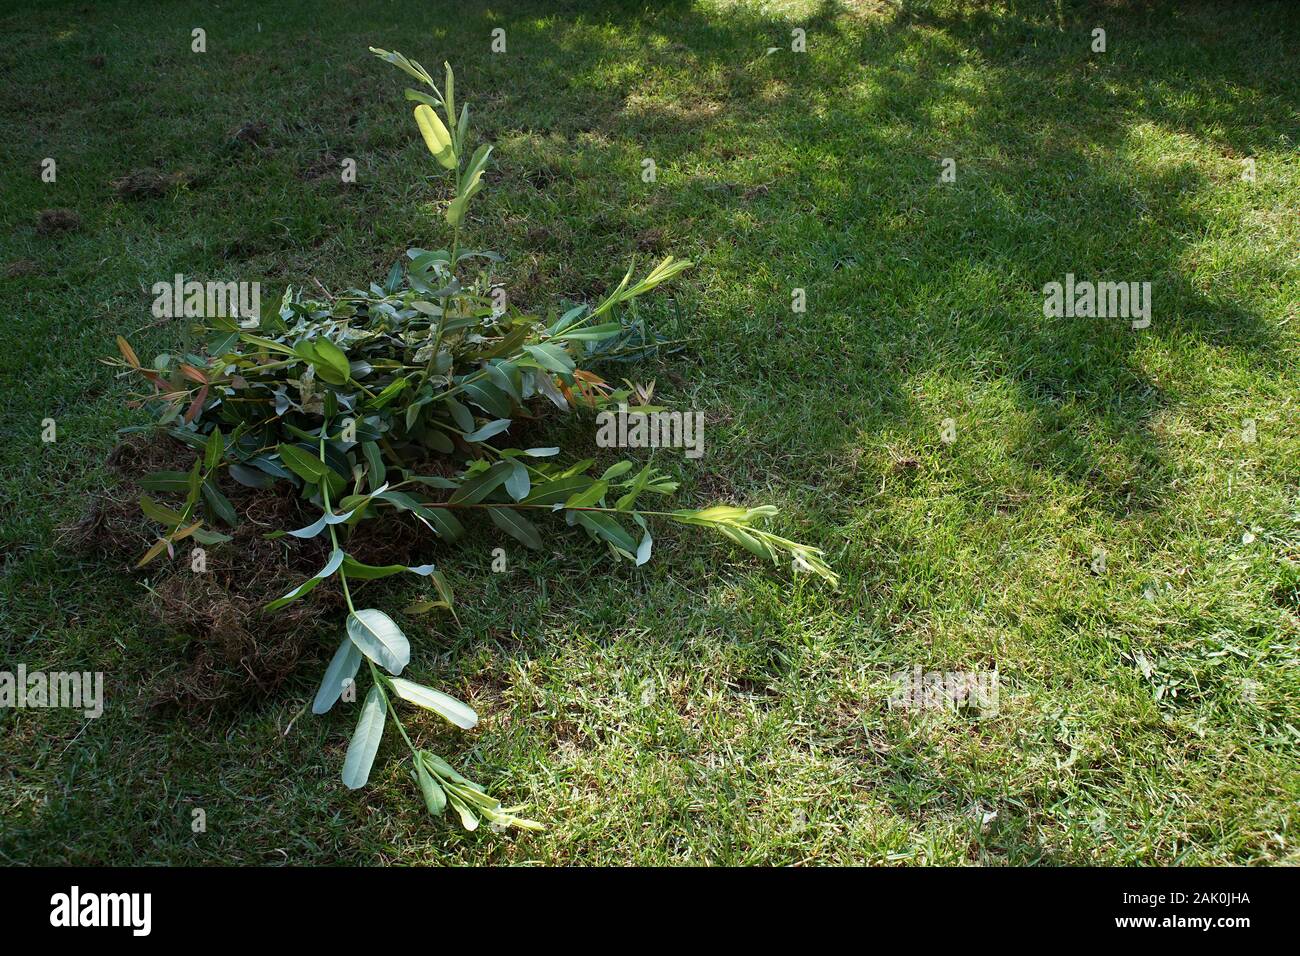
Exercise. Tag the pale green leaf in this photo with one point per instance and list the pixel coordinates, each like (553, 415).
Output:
(342, 669)
(380, 639)
(365, 740)
(453, 710)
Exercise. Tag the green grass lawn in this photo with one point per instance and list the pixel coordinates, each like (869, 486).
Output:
(705, 708)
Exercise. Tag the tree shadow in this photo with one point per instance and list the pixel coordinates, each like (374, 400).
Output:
(1039, 194)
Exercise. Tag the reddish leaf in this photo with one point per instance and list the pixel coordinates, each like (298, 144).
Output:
(196, 406)
(190, 372)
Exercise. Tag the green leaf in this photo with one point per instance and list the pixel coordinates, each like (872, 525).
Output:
(305, 465)
(577, 468)
(518, 484)
(342, 669)
(394, 280)
(566, 320)
(545, 384)
(501, 376)
(475, 489)
(607, 529)
(443, 522)
(449, 93)
(417, 97)
(658, 275)
(195, 482)
(213, 450)
(716, 514)
(749, 542)
(309, 352)
(269, 466)
(250, 477)
(461, 415)
(552, 357)
(488, 430)
(638, 485)
(467, 818)
(380, 639)
(557, 490)
(376, 469)
(470, 184)
(487, 397)
(166, 481)
(165, 516)
(437, 439)
(334, 357)
(588, 497)
(267, 343)
(591, 333)
(616, 470)
(647, 543)
(443, 588)
(461, 129)
(353, 503)
(436, 481)
(218, 503)
(409, 67)
(389, 393)
(204, 536)
(332, 565)
(445, 770)
(475, 796)
(401, 500)
(434, 798)
(365, 740)
(516, 525)
(370, 572)
(453, 710)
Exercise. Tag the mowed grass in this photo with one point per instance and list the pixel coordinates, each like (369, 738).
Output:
(705, 709)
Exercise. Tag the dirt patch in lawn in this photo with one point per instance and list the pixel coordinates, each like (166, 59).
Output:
(53, 221)
(235, 647)
(148, 183)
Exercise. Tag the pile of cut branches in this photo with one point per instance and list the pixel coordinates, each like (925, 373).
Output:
(348, 400)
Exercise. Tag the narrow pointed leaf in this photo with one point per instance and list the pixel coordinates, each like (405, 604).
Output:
(475, 489)
(332, 565)
(370, 572)
(557, 490)
(467, 818)
(488, 430)
(588, 496)
(488, 397)
(434, 798)
(551, 356)
(365, 741)
(303, 464)
(461, 715)
(343, 668)
(516, 525)
(607, 529)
